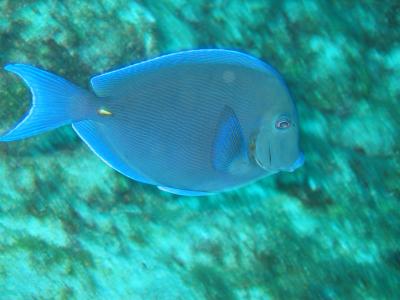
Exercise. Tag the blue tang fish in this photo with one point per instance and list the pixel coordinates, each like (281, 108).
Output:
(191, 123)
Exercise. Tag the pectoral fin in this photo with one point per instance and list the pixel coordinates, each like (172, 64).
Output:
(229, 143)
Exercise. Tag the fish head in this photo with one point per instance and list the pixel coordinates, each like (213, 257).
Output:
(276, 143)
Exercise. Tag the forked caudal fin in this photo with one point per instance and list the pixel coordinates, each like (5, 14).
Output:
(55, 102)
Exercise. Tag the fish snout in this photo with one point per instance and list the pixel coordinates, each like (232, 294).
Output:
(297, 164)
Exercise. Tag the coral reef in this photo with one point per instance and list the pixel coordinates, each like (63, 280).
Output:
(73, 228)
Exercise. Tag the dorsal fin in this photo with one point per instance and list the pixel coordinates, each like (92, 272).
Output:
(106, 84)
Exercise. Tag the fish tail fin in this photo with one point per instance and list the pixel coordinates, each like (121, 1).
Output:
(55, 102)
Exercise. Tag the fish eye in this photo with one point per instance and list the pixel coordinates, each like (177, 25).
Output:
(283, 123)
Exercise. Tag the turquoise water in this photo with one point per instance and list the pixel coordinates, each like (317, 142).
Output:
(73, 228)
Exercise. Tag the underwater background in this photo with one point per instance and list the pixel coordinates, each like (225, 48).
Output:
(73, 228)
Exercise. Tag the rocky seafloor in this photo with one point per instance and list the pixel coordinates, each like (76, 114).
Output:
(73, 228)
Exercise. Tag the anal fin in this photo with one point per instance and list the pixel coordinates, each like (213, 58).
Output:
(90, 133)
(183, 192)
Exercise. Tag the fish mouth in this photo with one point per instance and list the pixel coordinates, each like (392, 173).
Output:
(297, 164)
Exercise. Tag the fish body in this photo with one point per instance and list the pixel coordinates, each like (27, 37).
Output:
(192, 123)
